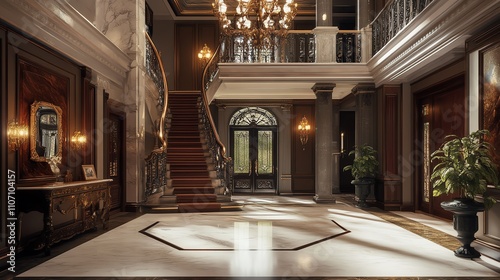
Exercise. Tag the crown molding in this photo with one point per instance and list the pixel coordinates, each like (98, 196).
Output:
(59, 26)
(434, 38)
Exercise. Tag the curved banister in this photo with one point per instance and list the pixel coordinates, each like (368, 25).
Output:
(205, 99)
(156, 162)
(165, 98)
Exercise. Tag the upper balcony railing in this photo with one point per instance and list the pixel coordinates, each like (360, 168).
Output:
(393, 18)
(296, 46)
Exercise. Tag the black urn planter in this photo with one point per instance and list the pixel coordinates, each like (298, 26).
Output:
(362, 190)
(465, 222)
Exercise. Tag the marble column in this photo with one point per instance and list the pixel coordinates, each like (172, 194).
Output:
(366, 13)
(326, 43)
(366, 120)
(324, 12)
(284, 145)
(325, 34)
(335, 158)
(366, 44)
(123, 23)
(324, 137)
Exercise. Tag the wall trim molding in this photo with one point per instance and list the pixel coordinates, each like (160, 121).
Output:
(59, 26)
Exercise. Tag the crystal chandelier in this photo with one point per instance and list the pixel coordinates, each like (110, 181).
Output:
(258, 20)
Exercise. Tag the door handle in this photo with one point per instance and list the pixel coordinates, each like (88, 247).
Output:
(256, 168)
(250, 167)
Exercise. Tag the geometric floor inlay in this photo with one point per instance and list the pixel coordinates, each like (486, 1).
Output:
(247, 235)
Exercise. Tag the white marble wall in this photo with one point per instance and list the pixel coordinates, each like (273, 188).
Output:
(117, 19)
(122, 22)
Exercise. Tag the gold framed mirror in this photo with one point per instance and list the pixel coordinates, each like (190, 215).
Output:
(46, 135)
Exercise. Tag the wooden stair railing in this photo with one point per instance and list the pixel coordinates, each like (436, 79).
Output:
(156, 162)
(223, 163)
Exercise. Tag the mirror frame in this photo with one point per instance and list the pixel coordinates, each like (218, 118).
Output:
(34, 130)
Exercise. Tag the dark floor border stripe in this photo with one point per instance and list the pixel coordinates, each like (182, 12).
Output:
(427, 232)
(144, 231)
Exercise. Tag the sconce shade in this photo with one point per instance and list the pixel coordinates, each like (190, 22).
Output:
(78, 140)
(304, 129)
(16, 135)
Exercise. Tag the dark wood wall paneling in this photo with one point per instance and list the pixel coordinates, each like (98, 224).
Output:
(40, 83)
(388, 191)
(88, 117)
(189, 40)
(448, 115)
(303, 160)
(348, 127)
(40, 74)
(3, 150)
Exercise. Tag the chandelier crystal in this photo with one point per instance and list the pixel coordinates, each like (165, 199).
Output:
(257, 20)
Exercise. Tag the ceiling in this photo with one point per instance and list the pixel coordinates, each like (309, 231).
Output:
(202, 9)
(282, 87)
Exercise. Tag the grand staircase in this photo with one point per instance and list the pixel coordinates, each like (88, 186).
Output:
(188, 158)
(192, 183)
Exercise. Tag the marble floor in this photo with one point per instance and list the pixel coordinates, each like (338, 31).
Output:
(273, 237)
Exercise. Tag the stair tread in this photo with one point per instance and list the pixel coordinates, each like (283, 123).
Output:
(187, 156)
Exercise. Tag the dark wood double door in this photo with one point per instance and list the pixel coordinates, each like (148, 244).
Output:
(441, 111)
(254, 156)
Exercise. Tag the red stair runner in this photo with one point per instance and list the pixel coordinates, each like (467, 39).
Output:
(191, 182)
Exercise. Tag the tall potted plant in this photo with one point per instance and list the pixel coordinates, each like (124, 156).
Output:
(465, 167)
(363, 169)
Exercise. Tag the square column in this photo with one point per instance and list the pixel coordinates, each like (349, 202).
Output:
(326, 43)
(324, 12)
(366, 121)
(324, 137)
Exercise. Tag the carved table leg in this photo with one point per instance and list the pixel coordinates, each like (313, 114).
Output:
(106, 207)
(48, 227)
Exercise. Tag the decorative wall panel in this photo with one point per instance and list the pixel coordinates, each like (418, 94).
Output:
(37, 83)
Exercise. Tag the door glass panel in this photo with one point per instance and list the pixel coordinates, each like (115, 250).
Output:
(114, 139)
(265, 152)
(241, 152)
(427, 164)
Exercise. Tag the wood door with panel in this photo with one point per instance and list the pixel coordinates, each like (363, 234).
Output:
(116, 159)
(439, 114)
(254, 155)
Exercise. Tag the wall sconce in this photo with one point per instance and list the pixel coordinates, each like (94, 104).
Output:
(78, 140)
(304, 129)
(16, 135)
(204, 55)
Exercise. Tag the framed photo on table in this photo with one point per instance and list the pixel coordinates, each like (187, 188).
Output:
(89, 172)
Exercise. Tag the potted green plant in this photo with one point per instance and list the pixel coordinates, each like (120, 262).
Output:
(465, 167)
(363, 169)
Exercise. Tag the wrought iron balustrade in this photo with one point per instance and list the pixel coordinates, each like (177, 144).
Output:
(393, 18)
(348, 46)
(295, 46)
(156, 162)
(223, 164)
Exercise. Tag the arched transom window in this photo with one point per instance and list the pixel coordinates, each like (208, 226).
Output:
(253, 116)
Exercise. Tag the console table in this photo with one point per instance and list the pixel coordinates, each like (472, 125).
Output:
(77, 207)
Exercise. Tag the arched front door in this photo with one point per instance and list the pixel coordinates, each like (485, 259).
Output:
(253, 149)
